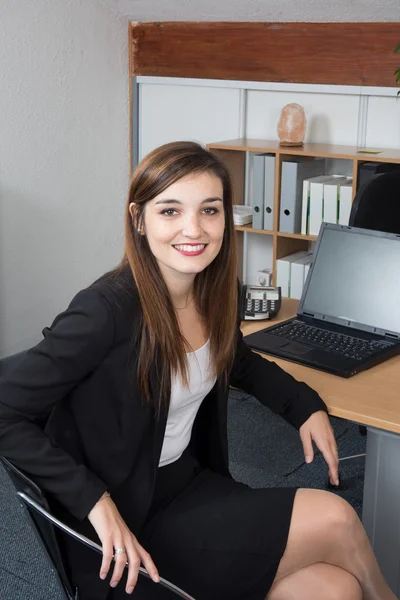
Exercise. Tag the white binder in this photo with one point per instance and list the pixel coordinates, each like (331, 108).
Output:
(297, 269)
(317, 203)
(331, 199)
(345, 202)
(283, 271)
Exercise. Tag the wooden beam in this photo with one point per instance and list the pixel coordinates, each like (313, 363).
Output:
(318, 53)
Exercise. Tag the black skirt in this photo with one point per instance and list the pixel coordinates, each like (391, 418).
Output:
(214, 537)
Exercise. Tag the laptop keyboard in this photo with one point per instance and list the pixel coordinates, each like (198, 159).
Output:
(337, 343)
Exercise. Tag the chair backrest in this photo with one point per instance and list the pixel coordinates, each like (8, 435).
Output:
(42, 527)
(27, 568)
(38, 514)
(377, 204)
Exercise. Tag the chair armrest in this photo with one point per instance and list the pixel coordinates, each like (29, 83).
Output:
(88, 542)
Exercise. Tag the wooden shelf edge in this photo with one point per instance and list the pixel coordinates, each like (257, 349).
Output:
(312, 149)
(248, 229)
(297, 236)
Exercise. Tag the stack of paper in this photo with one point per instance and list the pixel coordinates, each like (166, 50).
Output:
(242, 215)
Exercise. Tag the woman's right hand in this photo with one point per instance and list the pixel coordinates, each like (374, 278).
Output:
(114, 533)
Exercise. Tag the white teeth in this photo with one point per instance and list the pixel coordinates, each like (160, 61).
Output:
(187, 248)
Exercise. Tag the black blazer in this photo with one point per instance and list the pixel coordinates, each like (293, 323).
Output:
(71, 415)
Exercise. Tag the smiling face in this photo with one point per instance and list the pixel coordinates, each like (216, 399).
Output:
(184, 226)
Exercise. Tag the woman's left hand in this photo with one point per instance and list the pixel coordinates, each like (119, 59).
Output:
(318, 428)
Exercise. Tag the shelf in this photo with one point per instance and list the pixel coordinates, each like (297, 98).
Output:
(309, 149)
(239, 163)
(249, 229)
(297, 236)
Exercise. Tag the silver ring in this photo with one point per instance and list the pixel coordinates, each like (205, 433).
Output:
(119, 551)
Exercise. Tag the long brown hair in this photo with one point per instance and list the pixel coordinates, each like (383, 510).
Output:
(215, 288)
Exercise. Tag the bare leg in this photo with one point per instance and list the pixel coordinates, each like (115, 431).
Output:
(326, 529)
(315, 582)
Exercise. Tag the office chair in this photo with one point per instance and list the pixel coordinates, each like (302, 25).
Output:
(377, 204)
(39, 518)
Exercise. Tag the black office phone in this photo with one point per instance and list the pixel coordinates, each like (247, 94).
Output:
(259, 302)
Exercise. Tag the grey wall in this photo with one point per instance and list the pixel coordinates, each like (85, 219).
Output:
(64, 156)
(259, 10)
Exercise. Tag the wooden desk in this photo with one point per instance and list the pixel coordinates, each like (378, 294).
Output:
(373, 399)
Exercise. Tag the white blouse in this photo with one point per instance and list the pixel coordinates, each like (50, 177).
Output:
(185, 402)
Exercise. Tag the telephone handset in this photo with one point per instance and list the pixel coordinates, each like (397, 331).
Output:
(259, 302)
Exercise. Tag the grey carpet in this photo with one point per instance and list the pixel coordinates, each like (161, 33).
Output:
(264, 451)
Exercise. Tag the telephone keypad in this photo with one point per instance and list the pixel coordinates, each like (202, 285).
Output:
(258, 304)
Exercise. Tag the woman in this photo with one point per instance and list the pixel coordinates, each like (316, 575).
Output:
(132, 381)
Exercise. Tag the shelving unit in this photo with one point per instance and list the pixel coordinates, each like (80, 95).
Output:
(233, 152)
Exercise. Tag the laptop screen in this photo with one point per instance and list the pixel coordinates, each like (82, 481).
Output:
(355, 279)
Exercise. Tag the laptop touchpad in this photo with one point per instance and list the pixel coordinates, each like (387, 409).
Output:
(297, 348)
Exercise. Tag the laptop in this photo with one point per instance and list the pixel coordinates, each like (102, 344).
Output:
(349, 313)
